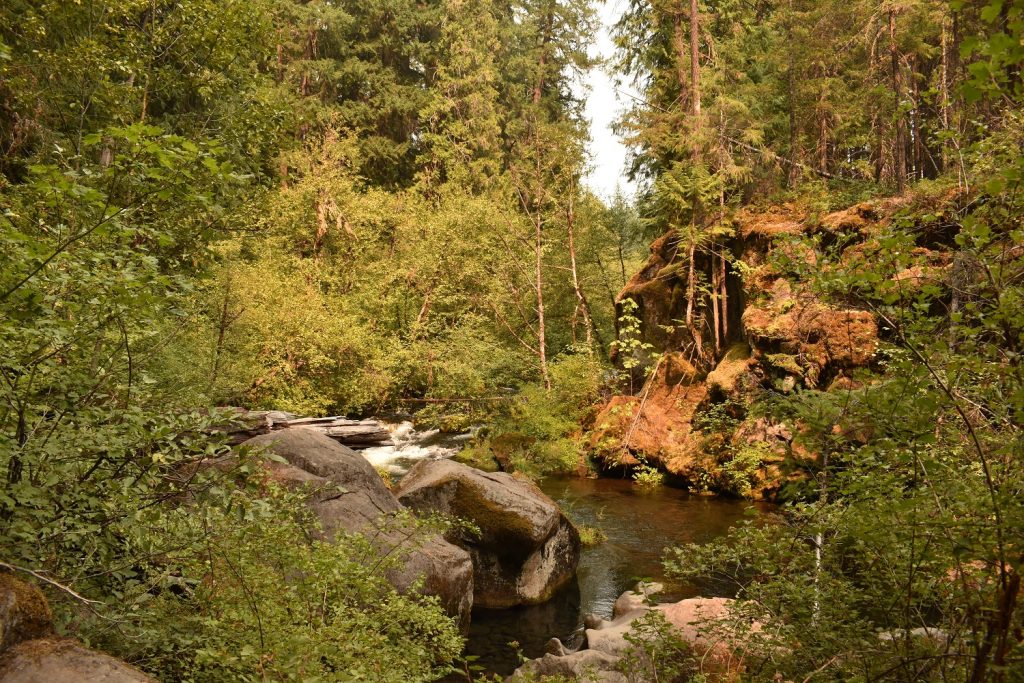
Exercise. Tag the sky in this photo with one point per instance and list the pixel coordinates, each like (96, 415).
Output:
(603, 106)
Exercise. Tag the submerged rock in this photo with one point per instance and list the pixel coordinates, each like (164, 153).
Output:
(348, 496)
(526, 549)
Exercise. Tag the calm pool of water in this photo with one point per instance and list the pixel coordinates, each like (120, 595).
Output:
(639, 527)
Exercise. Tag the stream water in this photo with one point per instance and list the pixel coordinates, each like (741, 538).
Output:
(639, 526)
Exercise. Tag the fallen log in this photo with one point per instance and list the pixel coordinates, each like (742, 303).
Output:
(246, 424)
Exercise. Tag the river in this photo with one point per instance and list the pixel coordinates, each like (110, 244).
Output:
(639, 526)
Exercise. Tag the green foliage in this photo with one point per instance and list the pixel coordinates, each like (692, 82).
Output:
(739, 472)
(591, 535)
(541, 427)
(647, 477)
(250, 594)
(656, 651)
(630, 349)
(911, 515)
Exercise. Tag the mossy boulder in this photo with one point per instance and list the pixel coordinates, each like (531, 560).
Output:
(24, 612)
(31, 653)
(526, 549)
(724, 380)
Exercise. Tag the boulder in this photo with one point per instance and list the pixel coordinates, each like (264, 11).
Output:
(725, 379)
(656, 426)
(636, 599)
(60, 660)
(24, 612)
(348, 496)
(526, 549)
(692, 620)
(585, 665)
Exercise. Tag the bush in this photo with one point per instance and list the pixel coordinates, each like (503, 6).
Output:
(253, 596)
(648, 477)
(539, 433)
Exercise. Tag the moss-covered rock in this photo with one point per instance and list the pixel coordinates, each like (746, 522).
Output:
(724, 380)
(24, 612)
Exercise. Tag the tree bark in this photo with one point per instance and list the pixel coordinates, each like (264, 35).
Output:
(581, 299)
(695, 61)
(794, 161)
(679, 44)
(899, 137)
(723, 280)
(944, 93)
(538, 246)
(538, 89)
(715, 288)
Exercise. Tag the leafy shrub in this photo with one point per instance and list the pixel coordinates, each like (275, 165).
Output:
(591, 535)
(739, 472)
(254, 596)
(541, 426)
(647, 477)
(656, 651)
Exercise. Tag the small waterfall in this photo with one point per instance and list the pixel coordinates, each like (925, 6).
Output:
(409, 446)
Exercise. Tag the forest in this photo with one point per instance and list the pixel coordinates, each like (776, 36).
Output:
(813, 302)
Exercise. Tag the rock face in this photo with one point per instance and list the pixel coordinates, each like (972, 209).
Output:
(30, 653)
(656, 423)
(348, 496)
(754, 325)
(526, 549)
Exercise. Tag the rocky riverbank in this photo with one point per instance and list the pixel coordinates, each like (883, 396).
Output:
(703, 633)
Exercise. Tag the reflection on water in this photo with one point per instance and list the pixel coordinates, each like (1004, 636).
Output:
(639, 527)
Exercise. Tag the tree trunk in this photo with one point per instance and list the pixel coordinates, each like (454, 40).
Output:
(794, 161)
(723, 280)
(899, 137)
(695, 61)
(538, 245)
(581, 299)
(691, 298)
(715, 288)
(944, 94)
(916, 123)
(538, 89)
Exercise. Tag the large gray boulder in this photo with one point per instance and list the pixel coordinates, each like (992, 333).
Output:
(62, 660)
(526, 549)
(348, 496)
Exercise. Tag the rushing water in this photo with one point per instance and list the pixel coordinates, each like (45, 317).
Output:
(639, 526)
(409, 446)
